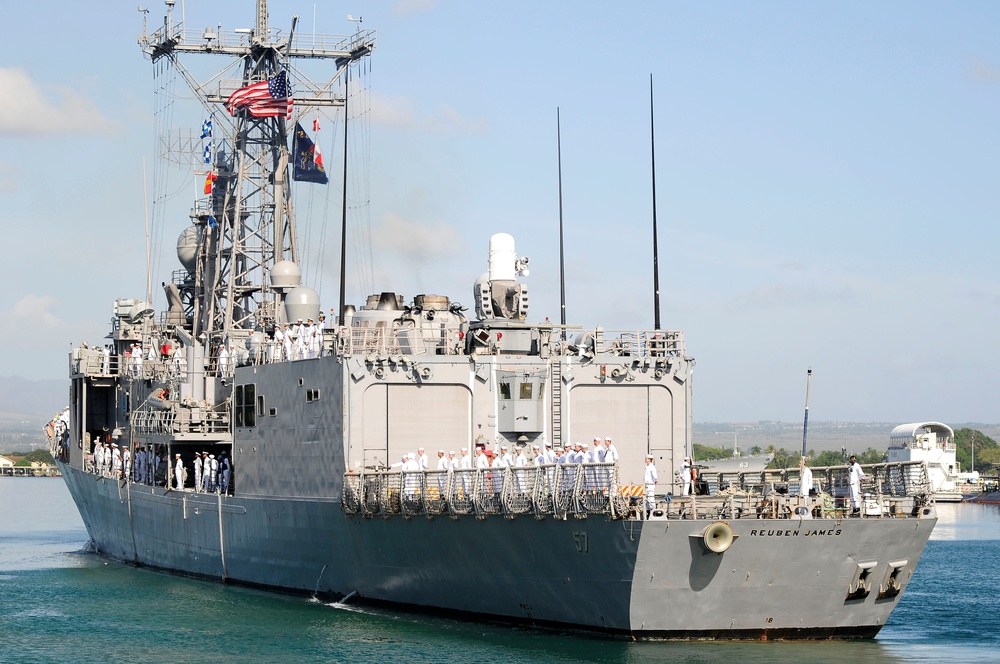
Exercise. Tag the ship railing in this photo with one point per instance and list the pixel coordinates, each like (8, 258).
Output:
(557, 490)
(89, 361)
(887, 490)
(638, 343)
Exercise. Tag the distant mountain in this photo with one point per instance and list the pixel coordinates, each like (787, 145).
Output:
(38, 400)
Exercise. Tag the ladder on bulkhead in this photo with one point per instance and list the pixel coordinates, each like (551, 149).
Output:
(557, 403)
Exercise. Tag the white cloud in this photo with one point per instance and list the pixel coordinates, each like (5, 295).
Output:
(32, 314)
(29, 109)
(404, 112)
(415, 242)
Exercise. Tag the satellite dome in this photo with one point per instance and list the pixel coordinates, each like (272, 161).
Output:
(187, 247)
(284, 275)
(301, 302)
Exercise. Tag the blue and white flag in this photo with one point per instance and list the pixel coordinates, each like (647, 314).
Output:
(208, 153)
(206, 128)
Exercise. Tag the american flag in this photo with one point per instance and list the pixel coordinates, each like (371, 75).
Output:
(270, 98)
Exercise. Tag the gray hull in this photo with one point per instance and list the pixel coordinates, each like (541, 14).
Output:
(781, 578)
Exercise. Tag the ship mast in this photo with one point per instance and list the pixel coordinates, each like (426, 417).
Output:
(247, 223)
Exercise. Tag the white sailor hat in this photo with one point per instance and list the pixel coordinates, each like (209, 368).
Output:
(649, 456)
(584, 445)
(608, 439)
(420, 449)
(548, 443)
(211, 456)
(465, 449)
(503, 447)
(451, 452)
(597, 439)
(178, 454)
(440, 451)
(411, 455)
(535, 447)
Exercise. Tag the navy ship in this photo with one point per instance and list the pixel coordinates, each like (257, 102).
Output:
(236, 437)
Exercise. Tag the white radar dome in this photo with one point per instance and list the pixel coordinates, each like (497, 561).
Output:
(285, 275)
(301, 302)
(187, 248)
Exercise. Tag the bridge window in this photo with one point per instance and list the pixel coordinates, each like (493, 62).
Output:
(244, 403)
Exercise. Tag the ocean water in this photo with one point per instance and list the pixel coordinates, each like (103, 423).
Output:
(59, 603)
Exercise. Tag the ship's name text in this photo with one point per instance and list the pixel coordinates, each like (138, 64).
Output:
(827, 532)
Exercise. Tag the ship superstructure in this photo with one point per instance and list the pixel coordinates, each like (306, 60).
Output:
(309, 439)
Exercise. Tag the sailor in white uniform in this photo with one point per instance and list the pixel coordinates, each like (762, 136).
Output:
(520, 463)
(686, 476)
(116, 461)
(127, 463)
(805, 478)
(464, 464)
(650, 479)
(197, 473)
(179, 472)
(422, 461)
(855, 473)
(223, 361)
(210, 468)
(279, 343)
(289, 341)
(411, 475)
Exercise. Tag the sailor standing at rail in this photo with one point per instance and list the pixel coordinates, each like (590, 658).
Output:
(179, 472)
(855, 473)
(422, 461)
(650, 479)
(550, 455)
(116, 461)
(539, 457)
(289, 340)
(210, 468)
(127, 463)
(411, 475)
(279, 343)
(805, 478)
(452, 460)
(520, 463)
(223, 361)
(197, 473)
(686, 476)
(313, 336)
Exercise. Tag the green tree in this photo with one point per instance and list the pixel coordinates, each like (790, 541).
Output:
(41, 456)
(965, 438)
(708, 453)
(755, 450)
(827, 458)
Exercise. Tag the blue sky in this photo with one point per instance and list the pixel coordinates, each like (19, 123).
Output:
(827, 182)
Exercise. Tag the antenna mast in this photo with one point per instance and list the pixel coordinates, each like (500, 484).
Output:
(656, 260)
(247, 223)
(562, 254)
